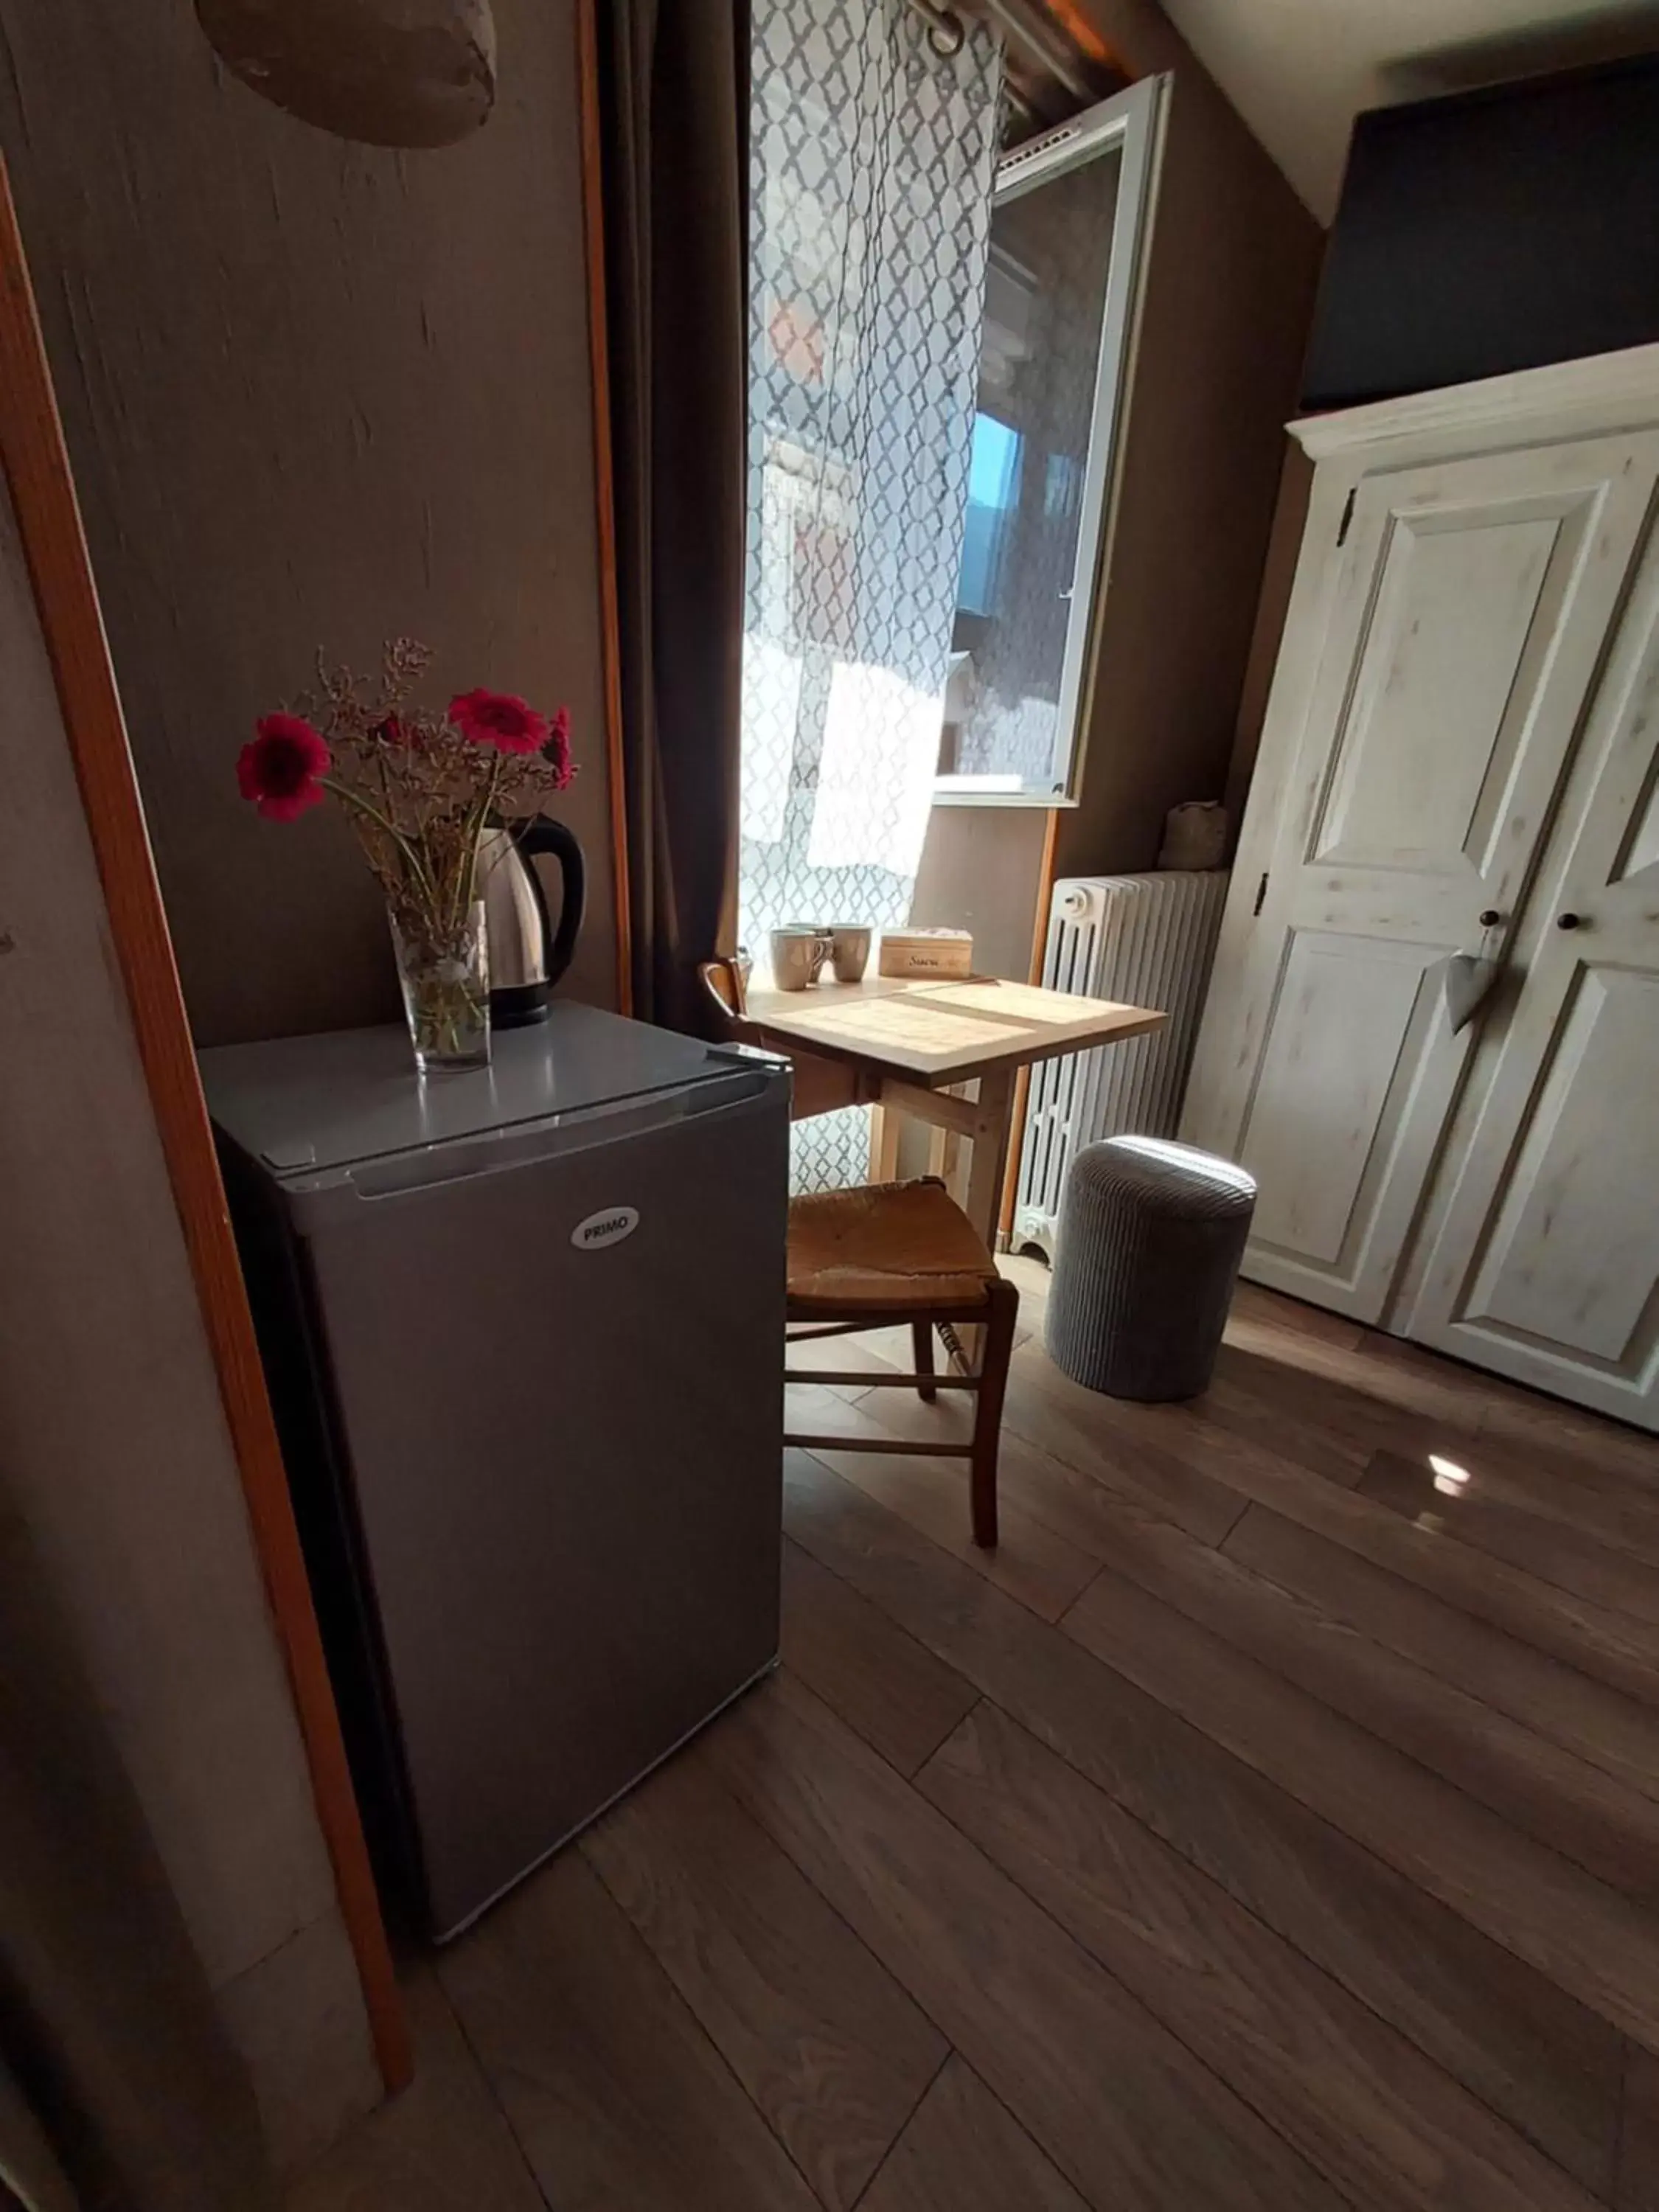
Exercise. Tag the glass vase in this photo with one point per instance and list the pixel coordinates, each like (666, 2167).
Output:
(445, 976)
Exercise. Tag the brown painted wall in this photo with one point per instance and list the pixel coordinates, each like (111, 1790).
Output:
(1278, 574)
(315, 394)
(114, 1452)
(1234, 258)
(981, 869)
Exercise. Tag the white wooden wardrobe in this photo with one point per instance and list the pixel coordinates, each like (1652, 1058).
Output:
(1460, 756)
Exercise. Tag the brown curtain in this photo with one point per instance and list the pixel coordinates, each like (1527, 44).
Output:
(673, 93)
(31, 2179)
(117, 2091)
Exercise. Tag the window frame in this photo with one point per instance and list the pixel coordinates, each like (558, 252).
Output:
(1133, 122)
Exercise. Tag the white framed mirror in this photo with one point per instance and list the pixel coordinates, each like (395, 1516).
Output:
(1069, 214)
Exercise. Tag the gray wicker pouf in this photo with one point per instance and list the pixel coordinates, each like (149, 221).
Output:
(1149, 1238)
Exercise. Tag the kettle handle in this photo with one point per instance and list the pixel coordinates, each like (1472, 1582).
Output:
(540, 834)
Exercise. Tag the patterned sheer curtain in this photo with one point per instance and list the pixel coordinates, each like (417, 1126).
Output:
(871, 167)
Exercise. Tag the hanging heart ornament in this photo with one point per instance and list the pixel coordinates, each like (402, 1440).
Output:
(1467, 983)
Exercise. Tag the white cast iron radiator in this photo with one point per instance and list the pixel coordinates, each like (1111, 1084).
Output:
(1147, 941)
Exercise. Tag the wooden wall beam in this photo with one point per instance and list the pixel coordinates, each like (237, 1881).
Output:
(587, 84)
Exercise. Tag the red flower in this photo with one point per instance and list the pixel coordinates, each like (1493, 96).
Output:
(279, 771)
(394, 731)
(556, 750)
(496, 717)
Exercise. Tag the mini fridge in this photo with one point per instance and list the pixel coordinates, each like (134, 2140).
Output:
(523, 1328)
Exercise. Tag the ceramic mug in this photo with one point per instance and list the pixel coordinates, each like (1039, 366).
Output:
(850, 951)
(798, 957)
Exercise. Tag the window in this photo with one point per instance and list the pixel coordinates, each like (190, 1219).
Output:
(993, 501)
(1060, 294)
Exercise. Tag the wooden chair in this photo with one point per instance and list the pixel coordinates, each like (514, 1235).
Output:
(884, 1253)
(822, 1085)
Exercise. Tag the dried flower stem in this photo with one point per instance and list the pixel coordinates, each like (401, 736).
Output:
(417, 790)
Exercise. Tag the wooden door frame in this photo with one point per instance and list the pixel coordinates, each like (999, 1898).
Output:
(605, 494)
(37, 469)
(1045, 893)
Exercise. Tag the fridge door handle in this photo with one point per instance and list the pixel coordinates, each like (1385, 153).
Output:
(346, 1192)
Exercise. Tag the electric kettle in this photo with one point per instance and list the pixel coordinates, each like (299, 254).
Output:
(527, 954)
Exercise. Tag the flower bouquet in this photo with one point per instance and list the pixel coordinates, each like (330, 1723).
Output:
(419, 788)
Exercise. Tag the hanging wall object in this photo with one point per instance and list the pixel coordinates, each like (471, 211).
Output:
(389, 72)
(1467, 983)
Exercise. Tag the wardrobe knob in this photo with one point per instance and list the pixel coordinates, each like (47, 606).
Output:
(1566, 921)
(1491, 918)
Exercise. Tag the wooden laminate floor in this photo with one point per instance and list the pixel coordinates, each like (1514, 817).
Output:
(1271, 1823)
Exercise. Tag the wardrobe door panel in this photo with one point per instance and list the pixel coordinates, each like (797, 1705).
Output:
(1357, 1019)
(1428, 744)
(1545, 1262)
(1461, 634)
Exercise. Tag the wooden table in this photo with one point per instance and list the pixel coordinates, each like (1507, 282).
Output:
(902, 1046)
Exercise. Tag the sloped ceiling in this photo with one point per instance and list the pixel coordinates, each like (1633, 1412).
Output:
(1299, 71)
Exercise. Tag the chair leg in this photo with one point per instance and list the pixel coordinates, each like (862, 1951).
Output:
(922, 1336)
(997, 1350)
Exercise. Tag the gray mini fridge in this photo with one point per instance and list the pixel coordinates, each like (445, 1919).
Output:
(523, 1329)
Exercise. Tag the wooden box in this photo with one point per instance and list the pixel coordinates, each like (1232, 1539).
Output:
(942, 954)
